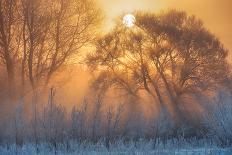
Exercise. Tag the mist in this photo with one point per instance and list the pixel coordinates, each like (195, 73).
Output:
(75, 75)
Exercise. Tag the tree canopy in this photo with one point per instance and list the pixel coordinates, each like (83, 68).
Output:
(167, 55)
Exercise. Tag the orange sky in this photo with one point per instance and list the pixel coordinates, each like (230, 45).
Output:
(216, 14)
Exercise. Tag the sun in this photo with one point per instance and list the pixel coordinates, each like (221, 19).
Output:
(129, 20)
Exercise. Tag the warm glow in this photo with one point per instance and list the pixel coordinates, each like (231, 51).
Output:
(129, 20)
(221, 11)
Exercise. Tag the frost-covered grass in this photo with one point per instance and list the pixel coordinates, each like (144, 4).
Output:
(172, 147)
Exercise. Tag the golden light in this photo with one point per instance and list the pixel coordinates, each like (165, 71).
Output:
(129, 20)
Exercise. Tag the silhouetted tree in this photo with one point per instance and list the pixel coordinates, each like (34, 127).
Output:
(9, 40)
(167, 55)
(39, 37)
(55, 31)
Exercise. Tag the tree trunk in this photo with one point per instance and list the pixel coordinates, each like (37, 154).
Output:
(23, 60)
(5, 31)
(177, 114)
(11, 79)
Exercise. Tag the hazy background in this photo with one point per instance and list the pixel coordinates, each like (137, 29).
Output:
(216, 14)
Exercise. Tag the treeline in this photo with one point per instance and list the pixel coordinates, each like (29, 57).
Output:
(95, 121)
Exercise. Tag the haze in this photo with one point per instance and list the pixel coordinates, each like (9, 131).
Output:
(120, 76)
(215, 14)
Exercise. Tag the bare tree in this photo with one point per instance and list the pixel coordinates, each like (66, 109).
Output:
(54, 121)
(113, 118)
(73, 24)
(43, 36)
(36, 23)
(9, 39)
(189, 50)
(165, 60)
(79, 121)
(19, 125)
(96, 118)
(218, 118)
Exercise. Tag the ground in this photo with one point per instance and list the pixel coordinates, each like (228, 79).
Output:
(131, 148)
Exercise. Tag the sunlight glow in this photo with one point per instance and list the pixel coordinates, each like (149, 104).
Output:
(129, 20)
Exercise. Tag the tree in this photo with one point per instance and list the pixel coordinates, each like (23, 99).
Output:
(190, 50)
(167, 56)
(54, 122)
(217, 118)
(36, 25)
(78, 121)
(53, 32)
(9, 38)
(39, 37)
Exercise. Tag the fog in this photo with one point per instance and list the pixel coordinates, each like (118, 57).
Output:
(73, 73)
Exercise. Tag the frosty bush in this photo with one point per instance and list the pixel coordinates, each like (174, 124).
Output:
(218, 119)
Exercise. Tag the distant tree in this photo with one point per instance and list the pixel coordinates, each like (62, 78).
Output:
(113, 118)
(19, 125)
(166, 55)
(78, 121)
(96, 118)
(218, 119)
(54, 121)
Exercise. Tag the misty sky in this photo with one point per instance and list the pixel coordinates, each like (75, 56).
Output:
(216, 14)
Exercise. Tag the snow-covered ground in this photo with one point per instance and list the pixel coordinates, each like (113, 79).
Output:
(131, 148)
